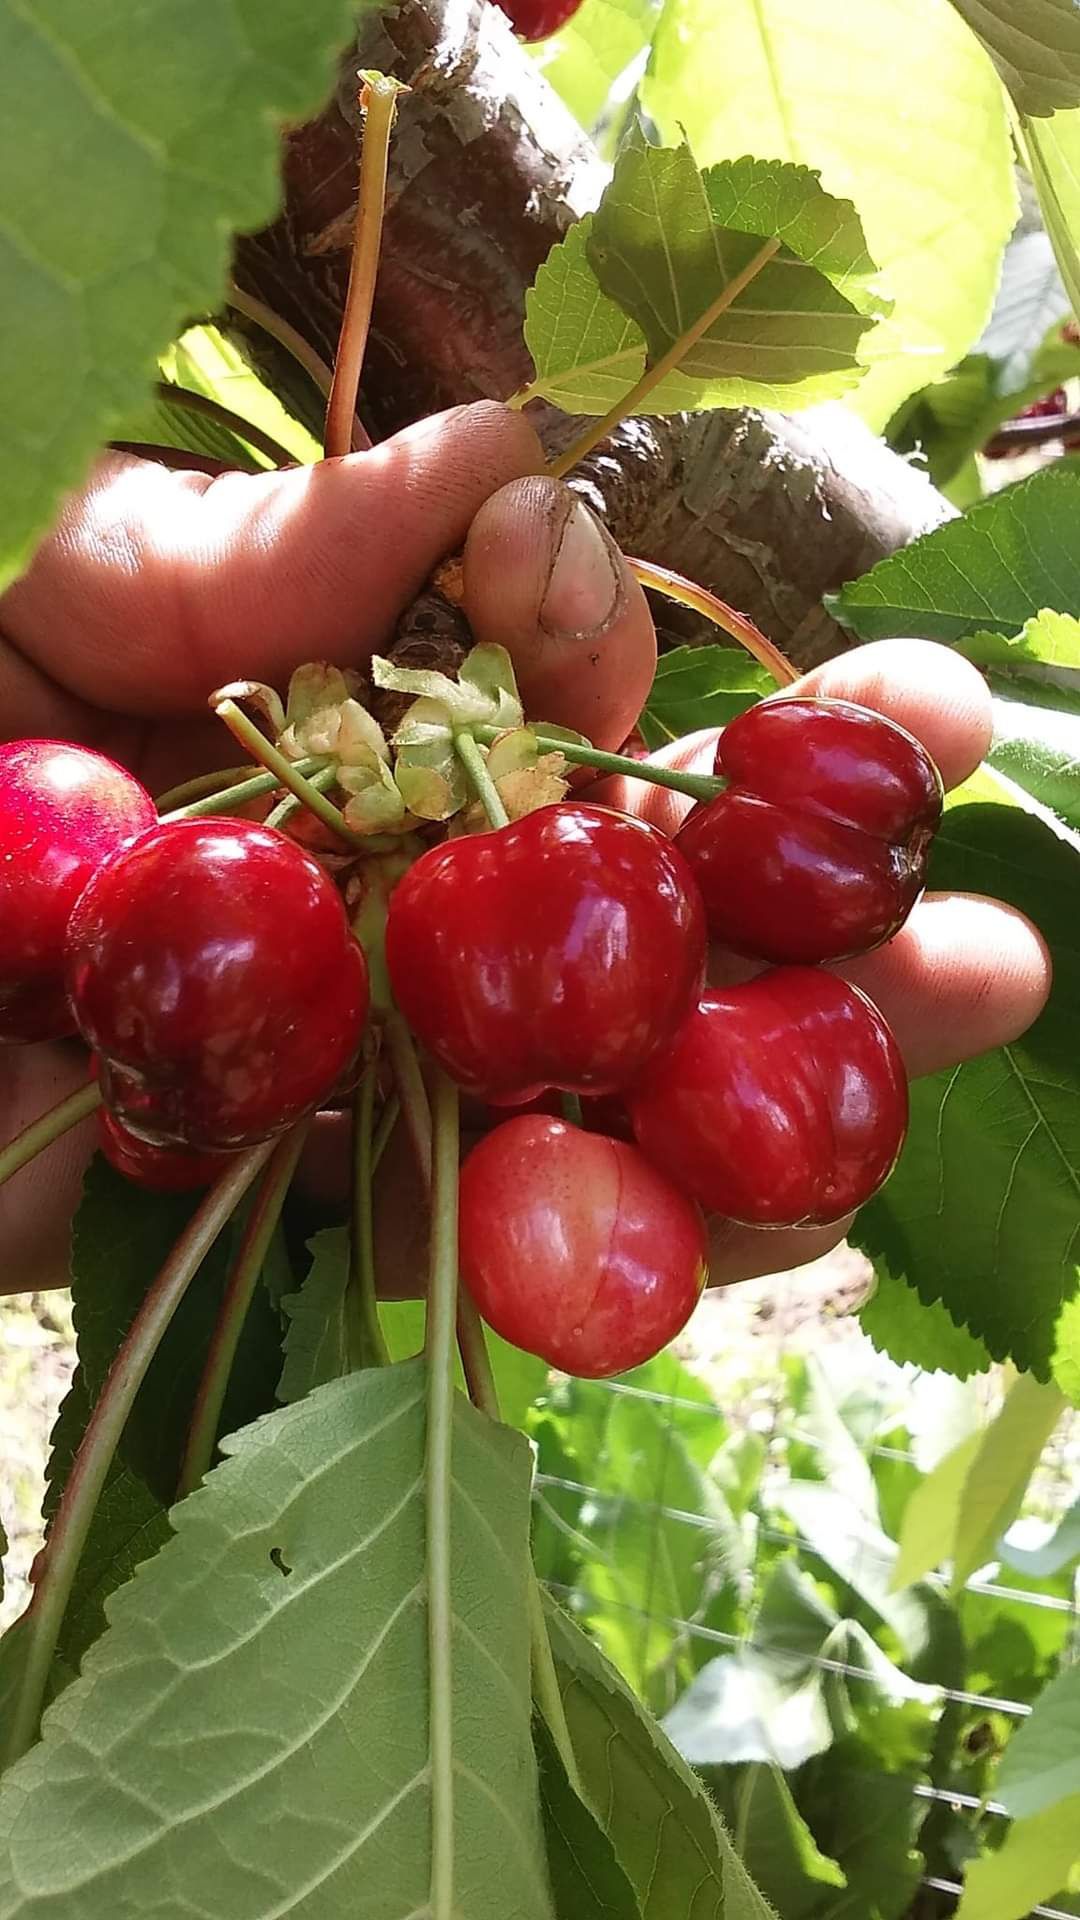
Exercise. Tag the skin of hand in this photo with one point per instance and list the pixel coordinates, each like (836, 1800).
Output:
(157, 587)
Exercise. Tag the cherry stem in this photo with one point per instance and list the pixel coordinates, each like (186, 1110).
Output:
(675, 586)
(412, 1093)
(199, 788)
(280, 815)
(698, 786)
(49, 1127)
(480, 1380)
(71, 1521)
(371, 1349)
(288, 775)
(378, 96)
(480, 779)
(438, 1487)
(659, 370)
(233, 423)
(388, 1120)
(571, 1109)
(294, 343)
(243, 1278)
(476, 1366)
(221, 799)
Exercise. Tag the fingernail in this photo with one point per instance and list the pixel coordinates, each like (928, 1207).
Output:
(585, 585)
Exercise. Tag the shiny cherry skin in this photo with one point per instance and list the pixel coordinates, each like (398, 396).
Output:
(158, 1169)
(575, 1248)
(212, 969)
(818, 848)
(781, 1103)
(558, 952)
(63, 811)
(537, 19)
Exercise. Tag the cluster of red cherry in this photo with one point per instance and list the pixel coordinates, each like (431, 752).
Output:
(210, 965)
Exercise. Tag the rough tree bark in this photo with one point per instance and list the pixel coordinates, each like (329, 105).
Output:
(488, 172)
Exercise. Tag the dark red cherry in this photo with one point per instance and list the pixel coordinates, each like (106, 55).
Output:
(575, 1248)
(818, 848)
(158, 1169)
(212, 968)
(561, 951)
(536, 19)
(63, 811)
(781, 1103)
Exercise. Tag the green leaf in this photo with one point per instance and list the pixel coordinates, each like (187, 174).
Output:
(268, 1753)
(585, 59)
(1041, 1764)
(1060, 1550)
(1034, 1863)
(130, 1523)
(1035, 46)
(915, 1334)
(819, 86)
(132, 148)
(1040, 749)
(628, 284)
(985, 1197)
(317, 1343)
(783, 1696)
(587, 1882)
(996, 568)
(932, 1515)
(867, 1820)
(1010, 1449)
(1030, 307)
(1052, 150)
(1047, 640)
(700, 687)
(650, 1570)
(663, 1826)
(774, 1840)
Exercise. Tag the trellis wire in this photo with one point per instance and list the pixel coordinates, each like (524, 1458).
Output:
(674, 1405)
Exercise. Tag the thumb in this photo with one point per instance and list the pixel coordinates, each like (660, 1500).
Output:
(158, 586)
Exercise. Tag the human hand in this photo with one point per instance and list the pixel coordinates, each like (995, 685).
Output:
(172, 584)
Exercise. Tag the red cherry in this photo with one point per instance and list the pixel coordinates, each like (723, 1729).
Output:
(212, 968)
(818, 848)
(536, 19)
(158, 1169)
(575, 1248)
(781, 1103)
(63, 811)
(561, 951)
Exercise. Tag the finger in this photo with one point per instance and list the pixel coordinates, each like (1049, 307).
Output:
(157, 586)
(545, 579)
(965, 975)
(37, 1204)
(936, 694)
(932, 691)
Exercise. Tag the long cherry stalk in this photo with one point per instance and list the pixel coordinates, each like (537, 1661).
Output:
(438, 1488)
(71, 1522)
(378, 96)
(48, 1127)
(239, 1290)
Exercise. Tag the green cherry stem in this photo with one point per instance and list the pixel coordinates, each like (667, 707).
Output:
(698, 786)
(48, 1127)
(71, 1521)
(480, 779)
(199, 788)
(686, 593)
(571, 1109)
(220, 799)
(476, 1366)
(288, 775)
(239, 1290)
(412, 1093)
(388, 1120)
(438, 1489)
(371, 1348)
(280, 815)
